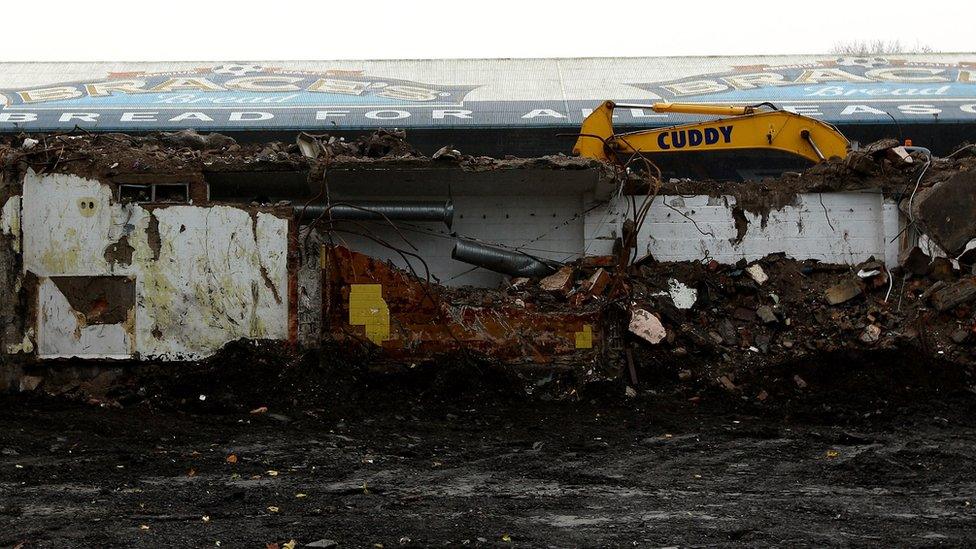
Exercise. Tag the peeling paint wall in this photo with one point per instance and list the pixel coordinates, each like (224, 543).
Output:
(839, 227)
(63, 331)
(11, 321)
(204, 275)
(10, 221)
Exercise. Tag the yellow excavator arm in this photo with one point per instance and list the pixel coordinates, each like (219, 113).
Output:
(741, 128)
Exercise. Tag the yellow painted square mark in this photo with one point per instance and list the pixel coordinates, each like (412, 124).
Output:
(584, 339)
(368, 309)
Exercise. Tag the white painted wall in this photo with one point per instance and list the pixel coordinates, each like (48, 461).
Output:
(61, 334)
(507, 220)
(847, 227)
(205, 289)
(840, 228)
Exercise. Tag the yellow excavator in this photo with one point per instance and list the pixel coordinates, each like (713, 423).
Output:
(760, 126)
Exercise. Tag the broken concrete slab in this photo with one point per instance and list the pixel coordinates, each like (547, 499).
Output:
(899, 155)
(954, 295)
(647, 326)
(683, 297)
(946, 211)
(843, 291)
(560, 282)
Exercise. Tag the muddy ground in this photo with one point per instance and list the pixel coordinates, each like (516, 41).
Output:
(878, 450)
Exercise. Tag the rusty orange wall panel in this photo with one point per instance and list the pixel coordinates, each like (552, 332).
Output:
(431, 320)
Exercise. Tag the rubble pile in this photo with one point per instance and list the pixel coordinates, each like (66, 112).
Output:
(897, 170)
(109, 154)
(696, 323)
(188, 152)
(729, 326)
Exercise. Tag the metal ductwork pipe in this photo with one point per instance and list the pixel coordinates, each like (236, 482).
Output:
(501, 260)
(377, 210)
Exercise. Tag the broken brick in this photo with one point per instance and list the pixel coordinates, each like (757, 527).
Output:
(843, 292)
(560, 282)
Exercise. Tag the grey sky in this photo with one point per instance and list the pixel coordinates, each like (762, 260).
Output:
(282, 29)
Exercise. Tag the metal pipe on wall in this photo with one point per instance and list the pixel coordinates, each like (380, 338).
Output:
(428, 210)
(501, 260)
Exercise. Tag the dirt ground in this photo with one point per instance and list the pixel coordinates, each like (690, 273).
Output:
(887, 461)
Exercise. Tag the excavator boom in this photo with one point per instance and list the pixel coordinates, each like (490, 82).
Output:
(742, 128)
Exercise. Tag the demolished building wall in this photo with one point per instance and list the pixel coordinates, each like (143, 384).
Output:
(106, 264)
(842, 228)
(544, 226)
(126, 280)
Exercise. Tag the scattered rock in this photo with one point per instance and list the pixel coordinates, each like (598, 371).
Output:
(766, 314)
(800, 383)
(728, 332)
(326, 543)
(29, 383)
(871, 333)
(727, 383)
(744, 314)
(762, 342)
(756, 272)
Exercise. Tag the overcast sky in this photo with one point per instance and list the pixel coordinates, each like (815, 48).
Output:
(77, 30)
